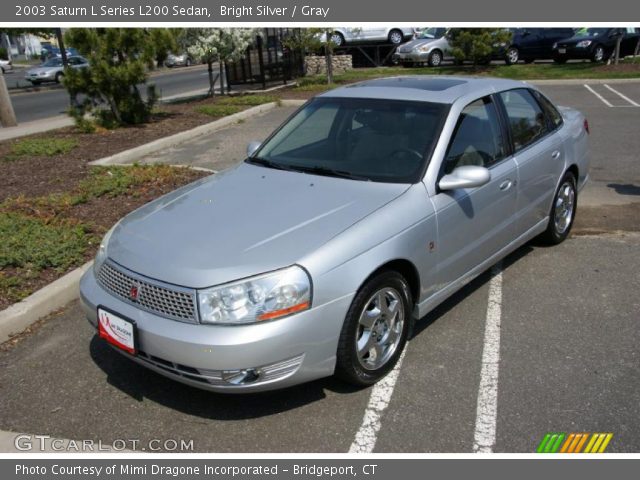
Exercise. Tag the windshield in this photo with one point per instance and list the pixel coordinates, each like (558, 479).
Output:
(53, 62)
(432, 33)
(362, 139)
(591, 32)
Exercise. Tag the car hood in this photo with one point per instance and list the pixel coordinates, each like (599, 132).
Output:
(418, 42)
(575, 40)
(37, 70)
(246, 221)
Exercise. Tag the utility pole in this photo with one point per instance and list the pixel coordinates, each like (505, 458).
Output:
(7, 115)
(65, 62)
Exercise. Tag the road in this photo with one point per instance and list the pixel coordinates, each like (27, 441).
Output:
(48, 102)
(566, 318)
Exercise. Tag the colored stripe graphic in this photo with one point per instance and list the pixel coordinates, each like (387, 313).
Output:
(574, 442)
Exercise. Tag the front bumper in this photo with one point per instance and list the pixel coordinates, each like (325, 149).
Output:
(40, 78)
(276, 354)
(573, 52)
(411, 57)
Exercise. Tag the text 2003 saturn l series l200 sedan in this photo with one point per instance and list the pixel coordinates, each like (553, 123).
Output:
(368, 207)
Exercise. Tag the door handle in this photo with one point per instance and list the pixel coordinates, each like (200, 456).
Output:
(555, 155)
(506, 185)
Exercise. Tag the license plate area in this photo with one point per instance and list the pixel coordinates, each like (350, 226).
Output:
(117, 330)
(562, 50)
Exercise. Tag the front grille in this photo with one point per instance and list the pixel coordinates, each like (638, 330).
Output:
(405, 49)
(164, 300)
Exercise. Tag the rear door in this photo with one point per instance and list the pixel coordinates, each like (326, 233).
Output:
(475, 223)
(538, 152)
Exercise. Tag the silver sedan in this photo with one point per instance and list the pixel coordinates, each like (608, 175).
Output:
(360, 214)
(53, 70)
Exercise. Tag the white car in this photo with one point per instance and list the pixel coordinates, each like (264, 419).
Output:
(5, 65)
(345, 35)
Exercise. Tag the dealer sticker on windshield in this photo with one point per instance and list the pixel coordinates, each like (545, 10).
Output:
(117, 331)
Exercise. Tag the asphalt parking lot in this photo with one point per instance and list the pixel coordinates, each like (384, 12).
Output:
(568, 341)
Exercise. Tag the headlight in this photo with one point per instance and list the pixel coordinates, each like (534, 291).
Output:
(264, 297)
(583, 43)
(555, 45)
(101, 256)
(423, 49)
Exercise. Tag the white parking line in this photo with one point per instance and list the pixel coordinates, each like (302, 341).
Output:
(484, 438)
(604, 100)
(367, 435)
(624, 97)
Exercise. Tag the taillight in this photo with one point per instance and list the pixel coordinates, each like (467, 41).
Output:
(586, 125)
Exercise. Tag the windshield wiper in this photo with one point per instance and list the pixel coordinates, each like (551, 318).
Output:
(329, 172)
(268, 163)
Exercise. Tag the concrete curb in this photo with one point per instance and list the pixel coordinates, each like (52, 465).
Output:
(57, 294)
(129, 156)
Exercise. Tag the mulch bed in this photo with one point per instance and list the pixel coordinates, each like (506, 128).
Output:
(36, 176)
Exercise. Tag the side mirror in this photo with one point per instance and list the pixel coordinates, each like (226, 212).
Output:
(466, 176)
(253, 147)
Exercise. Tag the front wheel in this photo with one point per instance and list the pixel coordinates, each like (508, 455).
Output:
(598, 54)
(375, 330)
(563, 211)
(59, 77)
(512, 56)
(435, 58)
(395, 37)
(337, 39)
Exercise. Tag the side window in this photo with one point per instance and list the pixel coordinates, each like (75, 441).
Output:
(478, 138)
(526, 119)
(549, 109)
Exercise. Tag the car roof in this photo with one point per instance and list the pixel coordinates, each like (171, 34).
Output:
(424, 88)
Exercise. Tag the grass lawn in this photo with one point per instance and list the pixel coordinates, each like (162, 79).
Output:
(546, 71)
(44, 236)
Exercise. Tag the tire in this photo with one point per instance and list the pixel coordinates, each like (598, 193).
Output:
(560, 60)
(435, 58)
(511, 56)
(395, 36)
(562, 213)
(187, 63)
(338, 39)
(382, 343)
(59, 77)
(598, 54)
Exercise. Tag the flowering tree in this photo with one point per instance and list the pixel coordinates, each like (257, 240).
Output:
(217, 45)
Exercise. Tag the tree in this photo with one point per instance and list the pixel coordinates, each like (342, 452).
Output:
(119, 59)
(217, 45)
(166, 40)
(314, 39)
(476, 44)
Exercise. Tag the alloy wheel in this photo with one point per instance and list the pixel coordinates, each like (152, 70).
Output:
(380, 328)
(564, 206)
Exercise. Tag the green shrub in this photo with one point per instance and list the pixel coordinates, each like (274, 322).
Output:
(43, 147)
(34, 243)
(217, 110)
(250, 100)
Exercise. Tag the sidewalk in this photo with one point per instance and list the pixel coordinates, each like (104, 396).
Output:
(37, 126)
(223, 148)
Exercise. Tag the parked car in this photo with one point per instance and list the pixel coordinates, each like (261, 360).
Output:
(52, 70)
(531, 44)
(431, 47)
(178, 60)
(5, 65)
(347, 35)
(362, 212)
(595, 44)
